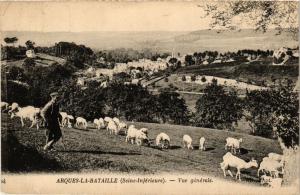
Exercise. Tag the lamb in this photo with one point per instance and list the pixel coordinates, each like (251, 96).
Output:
(64, 119)
(271, 166)
(112, 128)
(28, 112)
(202, 144)
(230, 160)
(187, 142)
(4, 106)
(140, 137)
(162, 140)
(81, 121)
(234, 144)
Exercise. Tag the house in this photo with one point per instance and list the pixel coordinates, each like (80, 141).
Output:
(30, 53)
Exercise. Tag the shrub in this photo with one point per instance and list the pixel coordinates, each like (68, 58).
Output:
(166, 79)
(217, 109)
(203, 79)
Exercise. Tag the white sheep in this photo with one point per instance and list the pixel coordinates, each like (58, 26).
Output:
(271, 166)
(131, 134)
(162, 140)
(116, 120)
(102, 123)
(112, 128)
(97, 123)
(64, 119)
(233, 143)
(230, 160)
(144, 130)
(4, 106)
(13, 107)
(70, 118)
(28, 112)
(122, 126)
(81, 121)
(187, 142)
(140, 137)
(202, 144)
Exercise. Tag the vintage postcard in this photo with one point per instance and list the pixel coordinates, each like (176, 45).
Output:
(150, 97)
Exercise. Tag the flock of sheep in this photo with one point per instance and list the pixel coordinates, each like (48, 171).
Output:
(272, 165)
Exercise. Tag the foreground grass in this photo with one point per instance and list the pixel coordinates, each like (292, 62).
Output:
(97, 151)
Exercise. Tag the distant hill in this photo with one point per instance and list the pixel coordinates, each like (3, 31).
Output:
(183, 42)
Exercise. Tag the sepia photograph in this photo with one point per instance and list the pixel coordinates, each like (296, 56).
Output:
(158, 97)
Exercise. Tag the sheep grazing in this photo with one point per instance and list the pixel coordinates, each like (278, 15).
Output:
(97, 123)
(202, 144)
(230, 160)
(131, 134)
(102, 123)
(112, 128)
(4, 106)
(106, 120)
(271, 166)
(70, 118)
(234, 144)
(122, 126)
(81, 122)
(163, 141)
(116, 120)
(64, 119)
(187, 142)
(28, 112)
(13, 107)
(144, 130)
(136, 136)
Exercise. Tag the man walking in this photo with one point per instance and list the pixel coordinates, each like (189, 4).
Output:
(51, 116)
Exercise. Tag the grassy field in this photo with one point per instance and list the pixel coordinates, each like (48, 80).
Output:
(97, 151)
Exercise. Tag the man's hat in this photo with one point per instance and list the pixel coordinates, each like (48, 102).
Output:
(53, 94)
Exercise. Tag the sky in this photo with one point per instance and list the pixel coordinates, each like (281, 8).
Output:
(101, 16)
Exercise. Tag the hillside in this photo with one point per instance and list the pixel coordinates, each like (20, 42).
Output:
(165, 41)
(94, 150)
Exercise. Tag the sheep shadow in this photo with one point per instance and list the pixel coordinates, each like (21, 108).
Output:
(244, 151)
(98, 152)
(174, 147)
(209, 149)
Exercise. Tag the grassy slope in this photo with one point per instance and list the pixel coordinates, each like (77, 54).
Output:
(94, 150)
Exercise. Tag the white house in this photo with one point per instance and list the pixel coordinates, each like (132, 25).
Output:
(30, 53)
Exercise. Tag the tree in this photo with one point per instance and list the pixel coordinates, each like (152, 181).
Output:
(203, 79)
(183, 78)
(217, 109)
(188, 60)
(193, 78)
(261, 14)
(10, 40)
(29, 44)
(172, 108)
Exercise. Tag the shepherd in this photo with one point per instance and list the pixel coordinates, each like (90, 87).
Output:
(51, 116)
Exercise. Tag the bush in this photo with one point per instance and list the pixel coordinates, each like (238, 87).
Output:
(203, 79)
(29, 62)
(166, 79)
(183, 78)
(217, 109)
